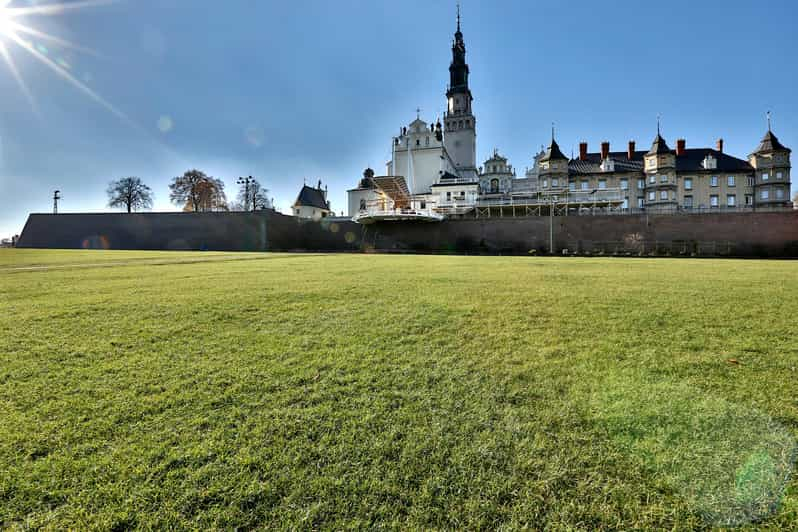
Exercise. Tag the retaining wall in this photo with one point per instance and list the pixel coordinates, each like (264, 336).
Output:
(772, 234)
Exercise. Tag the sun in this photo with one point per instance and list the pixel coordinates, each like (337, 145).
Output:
(5, 19)
(16, 33)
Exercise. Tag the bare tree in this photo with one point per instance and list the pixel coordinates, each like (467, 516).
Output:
(130, 193)
(251, 195)
(198, 192)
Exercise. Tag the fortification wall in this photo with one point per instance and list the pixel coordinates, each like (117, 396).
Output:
(234, 231)
(740, 234)
(773, 234)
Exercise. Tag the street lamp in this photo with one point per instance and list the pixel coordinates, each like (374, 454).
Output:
(247, 181)
(56, 197)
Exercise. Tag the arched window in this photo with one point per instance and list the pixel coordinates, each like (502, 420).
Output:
(494, 185)
(427, 141)
(362, 204)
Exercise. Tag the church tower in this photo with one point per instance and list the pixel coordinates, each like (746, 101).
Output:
(460, 136)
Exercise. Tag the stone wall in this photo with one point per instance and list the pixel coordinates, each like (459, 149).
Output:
(773, 234)
(260, 231)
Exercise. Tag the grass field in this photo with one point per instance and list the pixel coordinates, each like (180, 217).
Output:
(212, 390)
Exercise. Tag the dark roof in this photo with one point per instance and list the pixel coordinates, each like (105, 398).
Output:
(592, 163)
(691, 161)
(693, 158)
(659, 146)
(770, 143)
(553, 153)
(311, 197)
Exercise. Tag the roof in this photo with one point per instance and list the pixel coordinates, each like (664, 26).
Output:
(659, 146)
(311, 197)
(691, 161)
(553, 153)
(770, 143)
(592, 163)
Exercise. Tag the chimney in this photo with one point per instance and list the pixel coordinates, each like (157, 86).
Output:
(720, 145)
(681, 144)
(583, 151)
(605, 150)
(630, 154)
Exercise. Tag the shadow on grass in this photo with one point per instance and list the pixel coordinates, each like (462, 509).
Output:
(730, 463)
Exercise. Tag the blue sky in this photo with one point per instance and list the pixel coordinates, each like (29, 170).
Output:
(315, 89)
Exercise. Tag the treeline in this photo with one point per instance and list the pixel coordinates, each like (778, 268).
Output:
(194, 191)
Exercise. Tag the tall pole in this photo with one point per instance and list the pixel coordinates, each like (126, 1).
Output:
(252, 180)
(551, 225)
(56, 197)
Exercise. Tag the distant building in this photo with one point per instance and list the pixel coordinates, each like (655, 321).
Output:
(311, 203)
(438, 164)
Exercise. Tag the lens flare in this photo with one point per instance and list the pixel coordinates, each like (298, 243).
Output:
(13, 30)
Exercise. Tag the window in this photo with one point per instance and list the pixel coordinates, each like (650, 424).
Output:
(663, 178)
(749, 199)
(688, 202)
(554, 183)
(639, 203)
(448, 196)
(423, 204)
(713, 181)
(731, 200)
(779, 193)
(652, 163)
(652, 179)
(545, 183)
(624, 184)
(427, 141)
(641, 183)
(494, 185)
(713, 200)
(779, 175)
(663, 194)
(764, 194)
(602, 184)
(652, 196)
(625, 204)
(688, 183)
(572, 186)
(584, 185)
(296, 211)
(362, 204)
(750, 181)
(730, 181)
(765, 176)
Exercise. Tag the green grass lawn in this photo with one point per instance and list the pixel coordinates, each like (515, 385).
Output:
(222, 390)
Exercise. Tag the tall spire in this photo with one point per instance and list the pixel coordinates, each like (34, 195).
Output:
(458, 70)
(659, 119)
(769, 121)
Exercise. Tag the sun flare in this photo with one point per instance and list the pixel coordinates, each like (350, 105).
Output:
(16, 30)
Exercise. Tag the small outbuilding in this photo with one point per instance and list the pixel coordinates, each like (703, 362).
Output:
(312, 203)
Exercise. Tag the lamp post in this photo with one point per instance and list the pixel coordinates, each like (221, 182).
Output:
(56, 197)
(246, 181)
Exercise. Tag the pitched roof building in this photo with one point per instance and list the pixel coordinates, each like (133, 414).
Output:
(312, 203)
